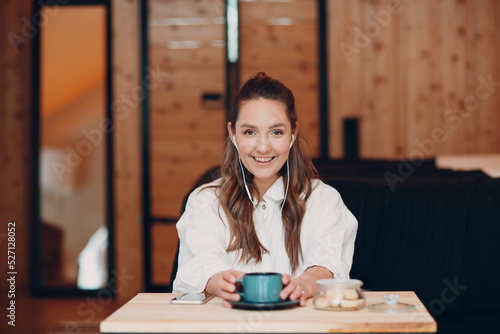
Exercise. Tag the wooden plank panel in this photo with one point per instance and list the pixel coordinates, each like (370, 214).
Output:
(195, 107)
(281, 56)
(185, 149)
(196, 125)
(163, 205)
(164, 180)
(269, 35)
(470, 66)
(127, 153)
(167, 169)
(164, 241)
(166, 106)
(159, 36)
(481, 104)
(166, 203)
(178, 173)
(416, 58)
(182, 92)
(401, 122)
(172, 180)
(164, 193)
(193, 79)
(495, 8)
(301, 10)
(186, 8)
(187, 59)
(186, 132)
(434, 85)
(367, 128)
(452, 51)
(166, 209)
(385, 84)
(439, 72)
(162, 137)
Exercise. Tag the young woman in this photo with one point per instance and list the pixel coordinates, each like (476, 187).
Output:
(268, 212)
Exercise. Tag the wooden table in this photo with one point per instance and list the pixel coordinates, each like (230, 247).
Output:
(153, 313)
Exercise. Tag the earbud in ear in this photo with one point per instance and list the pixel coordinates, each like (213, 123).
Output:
(293, 139)
(234, 142)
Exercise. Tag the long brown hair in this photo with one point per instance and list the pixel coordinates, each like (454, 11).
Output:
(231, 191)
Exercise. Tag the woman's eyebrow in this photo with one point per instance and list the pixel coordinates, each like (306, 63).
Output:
(278, 125)
(246, 125)
(249, 126)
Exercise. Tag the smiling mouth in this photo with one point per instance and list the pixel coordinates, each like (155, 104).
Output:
(263, 160)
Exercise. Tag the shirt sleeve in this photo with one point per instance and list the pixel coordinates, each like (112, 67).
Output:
(202, 250)
(331, 232)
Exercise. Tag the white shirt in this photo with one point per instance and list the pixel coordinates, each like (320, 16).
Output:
(327, 236)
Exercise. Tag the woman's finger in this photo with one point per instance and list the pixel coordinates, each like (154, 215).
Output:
(226, 304)
(296, 293)
(230, 276)
(288, 290)
(239, 274)
(226, 286)
(302, 301)
(285, 279)
(229, 296)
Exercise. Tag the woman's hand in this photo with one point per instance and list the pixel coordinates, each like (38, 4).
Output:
(304, 286)
(223, 285)
(295, 288)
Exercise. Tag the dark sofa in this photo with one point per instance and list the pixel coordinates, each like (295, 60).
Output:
(429, 230)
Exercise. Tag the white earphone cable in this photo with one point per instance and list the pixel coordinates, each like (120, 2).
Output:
(245, 181)
(287, 183)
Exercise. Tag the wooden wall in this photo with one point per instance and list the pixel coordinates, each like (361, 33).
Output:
(413, 73)
(186, 44)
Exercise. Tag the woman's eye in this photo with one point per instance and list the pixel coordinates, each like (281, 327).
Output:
(277, 132)
(249, 132)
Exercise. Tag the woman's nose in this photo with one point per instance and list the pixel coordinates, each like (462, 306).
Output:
(263, 144)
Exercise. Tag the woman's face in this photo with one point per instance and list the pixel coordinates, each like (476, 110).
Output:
(263, 134)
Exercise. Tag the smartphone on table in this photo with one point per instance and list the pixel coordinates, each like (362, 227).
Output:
(192, 298)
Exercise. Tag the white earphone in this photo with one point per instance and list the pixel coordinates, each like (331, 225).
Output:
(234, 142)
(293, 139)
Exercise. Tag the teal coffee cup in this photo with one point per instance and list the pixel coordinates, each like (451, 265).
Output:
(260, 287)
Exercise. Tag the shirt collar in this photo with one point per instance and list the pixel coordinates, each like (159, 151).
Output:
(276, 192)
